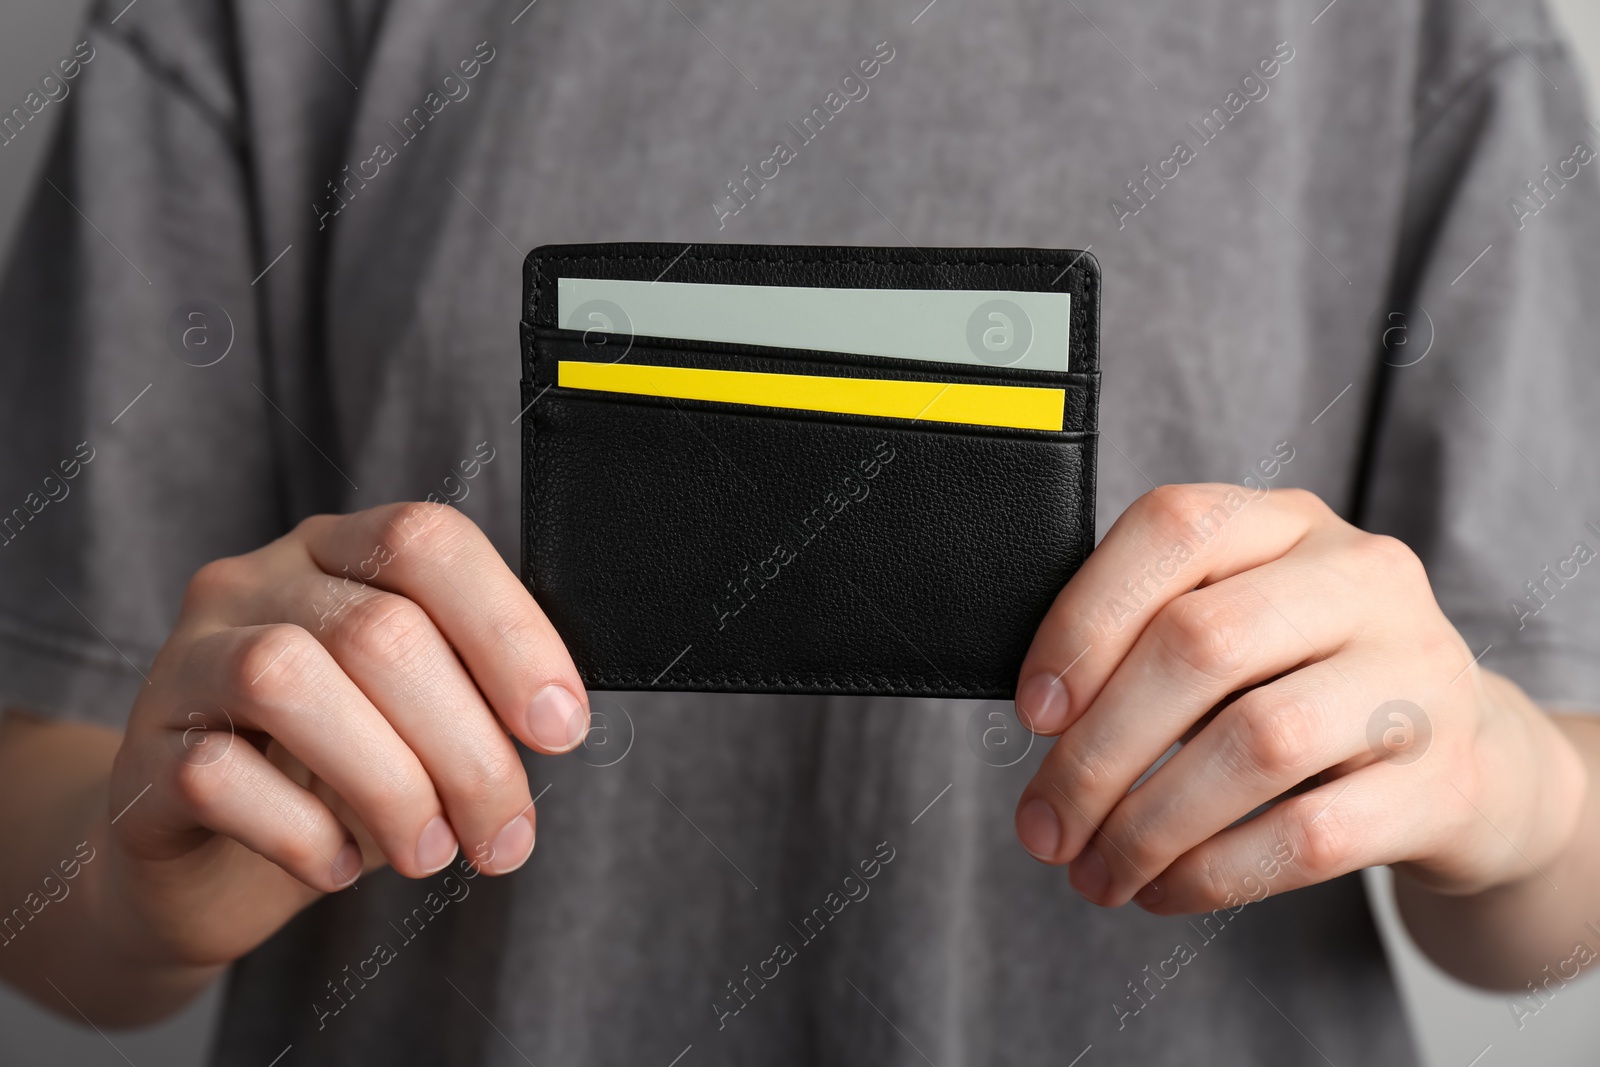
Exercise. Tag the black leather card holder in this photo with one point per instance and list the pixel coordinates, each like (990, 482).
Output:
(709, 545)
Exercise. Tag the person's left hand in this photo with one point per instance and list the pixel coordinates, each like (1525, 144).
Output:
(1271, 636)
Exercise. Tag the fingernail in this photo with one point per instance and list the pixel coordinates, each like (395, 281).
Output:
(511, 847)
(1089, 875)
(1150, 895)
(557, 721)
(437, 846)
(347, 865)
(1039, 830)
(1042, 704)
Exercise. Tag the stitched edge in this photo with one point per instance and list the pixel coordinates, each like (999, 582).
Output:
(1088, 280)
(862, 683)
(559, 258)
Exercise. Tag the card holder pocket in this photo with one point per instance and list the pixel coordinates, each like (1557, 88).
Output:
(734, 547)
(819, 385)
(792, 526)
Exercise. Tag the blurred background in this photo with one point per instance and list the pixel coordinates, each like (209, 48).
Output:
(1454, 1026)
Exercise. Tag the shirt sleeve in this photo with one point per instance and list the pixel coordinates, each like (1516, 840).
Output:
(136, 437)
(1482, 456)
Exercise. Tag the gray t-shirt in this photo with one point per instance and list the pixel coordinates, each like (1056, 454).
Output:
(1308, 219)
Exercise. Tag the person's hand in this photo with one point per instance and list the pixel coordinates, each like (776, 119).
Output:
(334, 701)
(1271, 637)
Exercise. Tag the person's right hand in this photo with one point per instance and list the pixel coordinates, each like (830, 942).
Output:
(300, 727)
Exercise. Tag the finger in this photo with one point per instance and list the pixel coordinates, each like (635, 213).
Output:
(437, 558)
(1171, 540)
(1196, 651)
(1319, 835)
(232, 789)
(372, 856)
(395, 654)
(277, 679)
(1259, 747)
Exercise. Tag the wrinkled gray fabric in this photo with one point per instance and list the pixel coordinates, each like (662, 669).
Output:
(1244, 300)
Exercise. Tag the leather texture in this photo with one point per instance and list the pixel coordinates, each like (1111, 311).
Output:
(717, 547)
